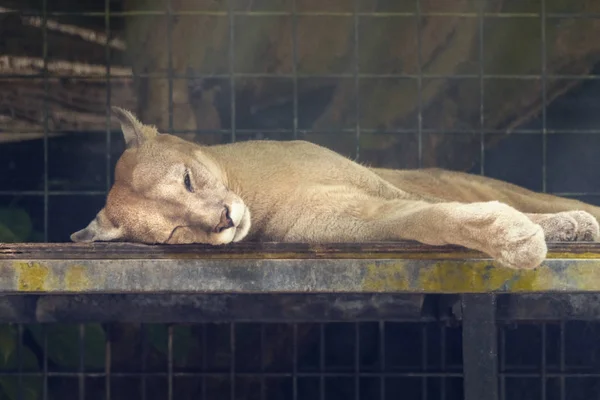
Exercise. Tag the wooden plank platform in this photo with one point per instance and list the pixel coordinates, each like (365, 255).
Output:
(399, 267)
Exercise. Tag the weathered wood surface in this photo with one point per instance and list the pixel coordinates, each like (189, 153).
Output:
(261, 250)
(248, 250)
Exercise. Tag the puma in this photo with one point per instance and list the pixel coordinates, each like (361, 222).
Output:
(168, 190)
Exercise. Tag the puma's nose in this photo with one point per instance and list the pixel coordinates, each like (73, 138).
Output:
(225, 221)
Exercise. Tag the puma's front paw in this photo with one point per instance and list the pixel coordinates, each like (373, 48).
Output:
(560, 227)
(524, 247)
(569, 226)
(588, 229)
(506, 234)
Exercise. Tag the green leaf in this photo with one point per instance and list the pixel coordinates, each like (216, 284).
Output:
(36, 237)
(17, 222)
(8, 344)
(64, 348)
(31, 386)
(158, 337)
(6, 235)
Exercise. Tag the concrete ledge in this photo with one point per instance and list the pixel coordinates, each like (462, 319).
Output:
(286, 268)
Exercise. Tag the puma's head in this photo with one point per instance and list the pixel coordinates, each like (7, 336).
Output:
(166, 190)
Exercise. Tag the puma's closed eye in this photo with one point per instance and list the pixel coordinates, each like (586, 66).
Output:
(187, 182)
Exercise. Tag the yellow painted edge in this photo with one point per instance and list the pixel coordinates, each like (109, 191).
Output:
(478, 277)
(395, 276)
(38, 277)
(31, 276)
(76, 278)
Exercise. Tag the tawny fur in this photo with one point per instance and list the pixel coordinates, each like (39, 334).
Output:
(297, 191)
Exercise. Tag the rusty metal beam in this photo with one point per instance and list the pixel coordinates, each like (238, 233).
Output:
(275, 268)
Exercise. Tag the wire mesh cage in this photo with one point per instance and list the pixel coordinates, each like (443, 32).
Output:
(498, 87)
(377, 81)
(549, 360)
(308, 360)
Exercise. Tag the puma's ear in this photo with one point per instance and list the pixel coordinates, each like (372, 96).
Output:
(99, 230)
(134, 132)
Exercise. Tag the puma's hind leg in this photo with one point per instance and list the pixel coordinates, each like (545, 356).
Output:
(568, 226)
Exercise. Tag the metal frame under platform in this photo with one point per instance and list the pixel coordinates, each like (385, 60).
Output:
(116, 281)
